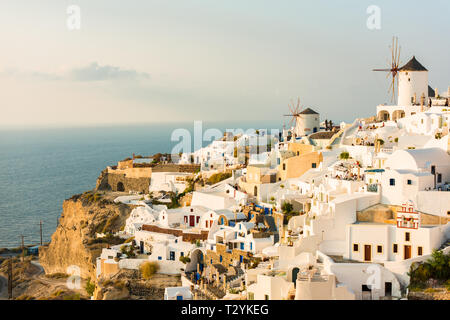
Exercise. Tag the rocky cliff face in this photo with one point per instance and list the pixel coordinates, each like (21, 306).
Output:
(74, 242)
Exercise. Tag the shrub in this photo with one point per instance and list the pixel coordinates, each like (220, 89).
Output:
(148, 269)
(90, 287)
(287, 207)
(185, 259)
(344, 155)
(128, 250)
(437, 267)
(217, 177)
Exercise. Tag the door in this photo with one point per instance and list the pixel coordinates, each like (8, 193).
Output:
(366, 292)
(388, 289)
(191, 221)
(141, 247)
(407, 252)
(367, 252)
(294, 275)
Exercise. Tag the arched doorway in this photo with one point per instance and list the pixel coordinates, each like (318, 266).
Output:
(383, 115)
(120, 187)
(397, 114)
(197, 261)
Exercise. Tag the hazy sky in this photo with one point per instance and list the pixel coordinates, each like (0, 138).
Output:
(185, 60)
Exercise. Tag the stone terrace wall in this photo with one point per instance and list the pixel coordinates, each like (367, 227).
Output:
(120, 182)
(187, 237)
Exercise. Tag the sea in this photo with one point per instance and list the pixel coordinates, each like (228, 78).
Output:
(41, 167)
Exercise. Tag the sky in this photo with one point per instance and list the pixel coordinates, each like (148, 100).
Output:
(183, 60)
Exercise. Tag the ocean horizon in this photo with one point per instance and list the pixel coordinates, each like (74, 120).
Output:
(41, 167)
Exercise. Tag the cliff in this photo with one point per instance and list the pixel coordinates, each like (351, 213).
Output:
(74, 242)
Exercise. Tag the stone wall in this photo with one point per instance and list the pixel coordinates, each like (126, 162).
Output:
(227, 257)
(187, 237)
(120, 182)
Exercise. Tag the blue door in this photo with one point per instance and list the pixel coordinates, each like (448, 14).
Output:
(179, 297)
(242, 246)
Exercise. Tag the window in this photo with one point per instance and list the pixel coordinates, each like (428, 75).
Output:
(395, 248)
(379, 249)
(409, 181)
(284, 166)
(419, 251)
(439, 178)
(220, 258)
(198, 219)
(433, 169)
(355, 247)
(182, 254)
(314, 165)
(159, 258)
(407, 236)
(392, 182)
(448, 213)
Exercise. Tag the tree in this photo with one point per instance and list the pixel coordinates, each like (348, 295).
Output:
(287, 207)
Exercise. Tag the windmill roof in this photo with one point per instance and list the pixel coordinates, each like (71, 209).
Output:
(308, 111)
(413, 65)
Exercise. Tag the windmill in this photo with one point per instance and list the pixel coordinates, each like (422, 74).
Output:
(295, 112)
(393, 69)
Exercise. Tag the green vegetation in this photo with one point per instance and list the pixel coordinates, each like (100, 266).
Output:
(217, 177)
(58, 275)
(380, 141)
(185, 259)
(148, 269)
(287, 207)
(90, 287)
(344, 155)
(128, 250)
(109, 239)
(436, 268)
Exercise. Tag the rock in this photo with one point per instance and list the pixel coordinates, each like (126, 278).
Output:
(74, 242)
